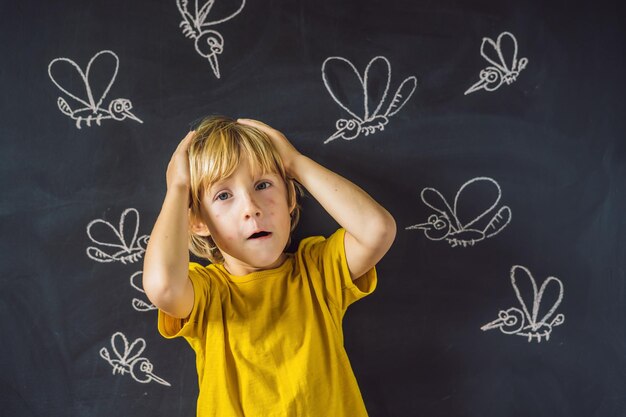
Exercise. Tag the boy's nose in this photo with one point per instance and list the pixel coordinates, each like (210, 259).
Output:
(251, 209)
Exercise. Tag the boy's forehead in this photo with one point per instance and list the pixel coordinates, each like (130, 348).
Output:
(254, 171)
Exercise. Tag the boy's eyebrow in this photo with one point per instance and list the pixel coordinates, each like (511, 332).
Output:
(217, 184)
(224, 181)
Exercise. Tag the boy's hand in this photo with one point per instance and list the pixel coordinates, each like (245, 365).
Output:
(178, 168)
(166, 261)
(286, 150)
(370, 229)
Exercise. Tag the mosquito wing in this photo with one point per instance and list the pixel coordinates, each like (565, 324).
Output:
(100, 75)
(508, 50)
(124, 237)
(498, 222)
(502, 53)
(203, 13)
(403, 94)
(129, 227)
(525, 289)
(472, 201)
(345, 85)
(119, 343)
(64, 107)
(433, 199)
(136, 281)
(490, 50)
(103, 233)
(140, 305)
(556, 295)
(376, 85)
(58, 69)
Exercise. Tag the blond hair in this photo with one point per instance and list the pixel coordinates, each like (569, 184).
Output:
(220, 143)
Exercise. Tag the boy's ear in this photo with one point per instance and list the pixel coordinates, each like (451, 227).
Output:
(197, 225)
(291, 191)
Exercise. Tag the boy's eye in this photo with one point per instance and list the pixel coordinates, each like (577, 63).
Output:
(263, 185)
(222, 196)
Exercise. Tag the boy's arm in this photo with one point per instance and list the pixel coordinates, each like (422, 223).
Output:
(370, 229)
(166, 264)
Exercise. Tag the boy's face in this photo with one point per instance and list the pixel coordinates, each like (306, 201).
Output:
(247, 216)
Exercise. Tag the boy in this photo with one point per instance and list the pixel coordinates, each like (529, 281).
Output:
(265, 325)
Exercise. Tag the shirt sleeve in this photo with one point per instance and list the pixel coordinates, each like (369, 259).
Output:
(193, 326)
(330, 257)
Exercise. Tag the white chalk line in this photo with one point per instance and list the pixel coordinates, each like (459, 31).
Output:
(502, 70)
(92, 111)
(209, 43)
(447, 224)
(119, 246)
(127, 359)
(370, 119)
(527, 322)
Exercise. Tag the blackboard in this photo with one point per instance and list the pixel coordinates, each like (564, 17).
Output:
(546, 149)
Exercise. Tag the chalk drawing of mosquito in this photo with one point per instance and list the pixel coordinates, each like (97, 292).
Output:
(139, 305)
(365, 120)
(504, 68)
(121, 244)
(209, 43)
(448, 224)
(128, 361)
(524, 322)
(93, 109)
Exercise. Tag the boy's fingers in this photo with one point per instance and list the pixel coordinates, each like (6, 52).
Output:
(258, 124)
(190, 135)
(252, 122)
(185, 142)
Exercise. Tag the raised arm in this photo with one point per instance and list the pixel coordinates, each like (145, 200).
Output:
(370, 229)
(166, 264)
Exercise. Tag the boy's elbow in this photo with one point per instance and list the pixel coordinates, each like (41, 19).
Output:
(174, 298)
(388, 231)
(154, 287)
(383, 232)
(158, 290)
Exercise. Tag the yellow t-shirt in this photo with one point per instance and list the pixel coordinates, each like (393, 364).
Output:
(270, 343)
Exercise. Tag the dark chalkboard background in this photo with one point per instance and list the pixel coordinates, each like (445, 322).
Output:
(553, 140)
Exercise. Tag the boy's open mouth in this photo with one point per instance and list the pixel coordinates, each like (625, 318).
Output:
(259, 235)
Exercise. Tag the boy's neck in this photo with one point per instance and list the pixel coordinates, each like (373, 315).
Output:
(237, 268)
